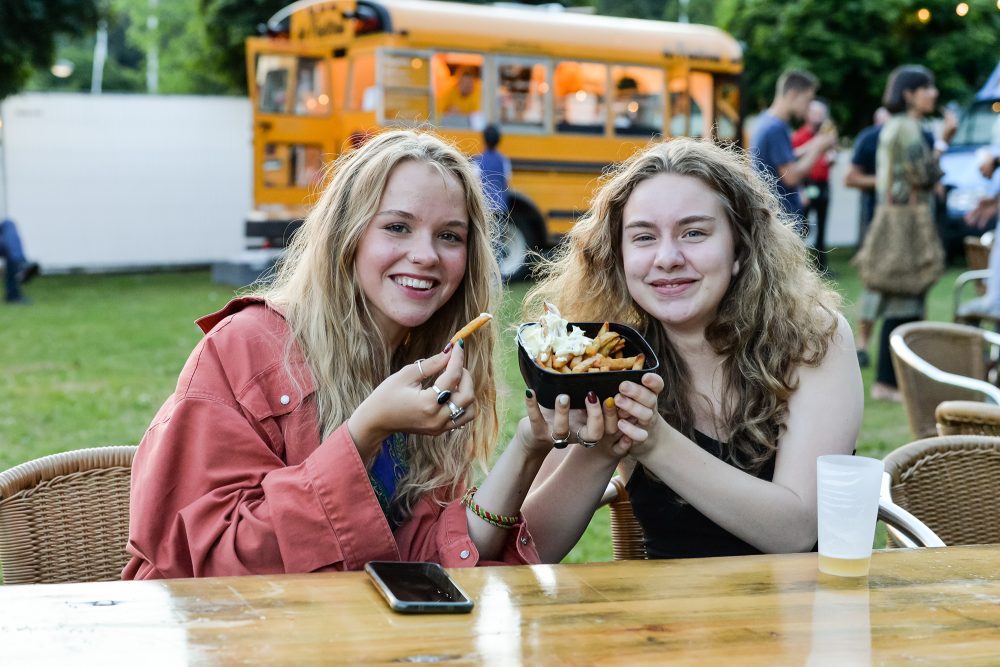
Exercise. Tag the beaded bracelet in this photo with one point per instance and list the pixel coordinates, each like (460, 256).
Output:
(504, 521)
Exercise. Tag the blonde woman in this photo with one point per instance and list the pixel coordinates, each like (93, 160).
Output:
(319, 424)
(759, 374)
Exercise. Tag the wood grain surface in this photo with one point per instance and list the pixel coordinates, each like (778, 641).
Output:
(917, 606)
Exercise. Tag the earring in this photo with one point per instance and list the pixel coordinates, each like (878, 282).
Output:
(736, 267)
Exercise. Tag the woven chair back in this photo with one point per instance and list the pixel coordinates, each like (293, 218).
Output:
(967, 418)
(952, 348)
(977, 253)
(64, 517)
(950, 483)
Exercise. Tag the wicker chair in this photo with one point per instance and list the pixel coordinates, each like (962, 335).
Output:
(627, 540)
(951, 483)
(967, 418)
(64, 517)
(939, 361)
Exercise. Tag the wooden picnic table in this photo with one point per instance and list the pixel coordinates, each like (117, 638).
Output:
(917, 606)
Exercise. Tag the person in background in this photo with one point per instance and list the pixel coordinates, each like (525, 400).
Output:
(985, 212)
(325, 419)
(815, 190)
(906, 172)
(771, 144)
(687, 243)
(465, 96)
(861, 175)
(494, 171)
(18, 270)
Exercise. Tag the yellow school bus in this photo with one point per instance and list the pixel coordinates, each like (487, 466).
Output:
(571, 93)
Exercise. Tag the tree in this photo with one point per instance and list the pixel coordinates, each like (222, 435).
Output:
(228, 24)
(28, 31)
(852, 45)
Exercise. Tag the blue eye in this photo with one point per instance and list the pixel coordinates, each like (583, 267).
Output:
(396, 227)
(452, 237)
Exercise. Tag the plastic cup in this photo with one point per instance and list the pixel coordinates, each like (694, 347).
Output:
(847, 491)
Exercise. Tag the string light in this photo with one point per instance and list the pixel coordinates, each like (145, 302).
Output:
(924, 14)
(962, 8)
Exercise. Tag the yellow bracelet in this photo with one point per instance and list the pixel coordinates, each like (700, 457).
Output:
(505, 521)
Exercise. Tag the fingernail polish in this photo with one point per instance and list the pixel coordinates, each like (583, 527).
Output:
(609, 402)
(447, 348)
(591, 397)
(563, 400)
(528, 393)
(461, 343)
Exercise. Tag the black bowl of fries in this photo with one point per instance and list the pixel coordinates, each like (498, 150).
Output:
(620, 354)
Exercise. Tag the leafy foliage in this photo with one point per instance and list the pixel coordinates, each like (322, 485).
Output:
(228, 23)
(852, 45)
(28, 30)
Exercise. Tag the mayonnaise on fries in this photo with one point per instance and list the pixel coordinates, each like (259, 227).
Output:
(556, 347)
(471, 327)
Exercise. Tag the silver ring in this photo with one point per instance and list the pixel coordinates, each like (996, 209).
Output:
(421, 369)
(456, 411)
(586, 443)
(442, 394)
(559, 443)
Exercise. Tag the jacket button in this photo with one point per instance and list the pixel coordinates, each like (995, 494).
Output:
(464, 554)
(285, 399)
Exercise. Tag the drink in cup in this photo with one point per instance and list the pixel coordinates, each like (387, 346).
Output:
(847, 491)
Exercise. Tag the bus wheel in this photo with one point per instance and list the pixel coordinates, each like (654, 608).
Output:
(513, 248)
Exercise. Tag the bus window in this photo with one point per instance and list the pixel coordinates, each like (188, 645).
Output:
(727, 110)
(362, 95)
(272, 82)
(638, 102)
(406, 87)
(312, 93)
(522, 88)
(292, 165)
(580, 97)
(458, 89)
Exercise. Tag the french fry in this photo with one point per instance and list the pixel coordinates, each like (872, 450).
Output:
(603, 329)
(640, 360)
(471, 327)
(609, 364)
(558, 362)
(585, 365)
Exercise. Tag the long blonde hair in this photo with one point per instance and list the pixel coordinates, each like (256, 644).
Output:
(332, 323)
(776, 315)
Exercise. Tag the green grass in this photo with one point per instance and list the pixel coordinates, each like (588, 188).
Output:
(93, 358)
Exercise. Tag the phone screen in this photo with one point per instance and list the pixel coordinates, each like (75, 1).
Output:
(417, 586)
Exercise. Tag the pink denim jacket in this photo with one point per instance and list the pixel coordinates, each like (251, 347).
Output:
(231, 477)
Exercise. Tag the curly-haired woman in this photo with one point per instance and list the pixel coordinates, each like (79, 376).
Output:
(759, 373)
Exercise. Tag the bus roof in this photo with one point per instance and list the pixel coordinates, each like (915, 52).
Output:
(526, 30)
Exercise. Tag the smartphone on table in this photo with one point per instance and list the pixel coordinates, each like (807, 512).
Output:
(413, 588)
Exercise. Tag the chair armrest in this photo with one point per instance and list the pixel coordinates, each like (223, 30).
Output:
(905, 528)
(991, 392)
(961, 281)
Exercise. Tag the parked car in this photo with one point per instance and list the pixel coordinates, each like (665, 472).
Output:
(978, 127)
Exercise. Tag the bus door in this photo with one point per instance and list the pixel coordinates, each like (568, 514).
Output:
(727, 104)
(292, 90)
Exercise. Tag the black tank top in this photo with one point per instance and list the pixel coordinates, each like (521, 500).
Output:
(675, 529)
